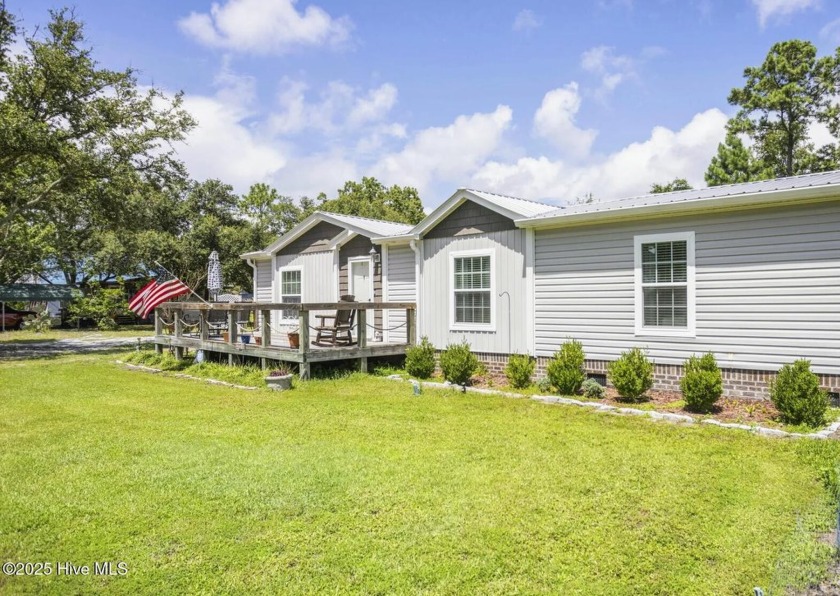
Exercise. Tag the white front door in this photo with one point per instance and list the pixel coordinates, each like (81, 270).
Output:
(360, 280)
(361, 287)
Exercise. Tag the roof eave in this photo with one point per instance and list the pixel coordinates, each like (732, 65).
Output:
(723, 203)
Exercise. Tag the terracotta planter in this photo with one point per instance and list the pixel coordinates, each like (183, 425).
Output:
(225, 336)
(294, 340)
(279, 383)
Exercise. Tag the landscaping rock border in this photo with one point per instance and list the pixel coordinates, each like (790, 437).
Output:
(825, 433)
(149, 369)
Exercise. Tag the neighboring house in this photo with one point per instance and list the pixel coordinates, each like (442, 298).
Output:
(750, 272)
(329, 255)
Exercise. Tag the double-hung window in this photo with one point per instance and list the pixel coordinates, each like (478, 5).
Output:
(472, 290)
(290, 290)
(665, 299)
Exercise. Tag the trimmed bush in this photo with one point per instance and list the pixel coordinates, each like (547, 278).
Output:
(593, 389)
(565, 370)
(458, 363)
(797, 395)
(420, 359)
(631, 374)
(519, 369)
(702, 383)
(38, 323)
(544, 385)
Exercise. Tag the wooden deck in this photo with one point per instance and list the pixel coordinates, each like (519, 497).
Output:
(202, 336)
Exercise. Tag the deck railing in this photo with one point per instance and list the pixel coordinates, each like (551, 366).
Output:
(171, 315)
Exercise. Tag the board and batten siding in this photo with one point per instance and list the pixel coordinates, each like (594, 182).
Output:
(767, 288)
(509, 273)
(401, 287)
(318, 284)
(262, 281)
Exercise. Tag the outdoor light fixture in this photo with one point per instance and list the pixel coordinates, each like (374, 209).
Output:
(374, 255)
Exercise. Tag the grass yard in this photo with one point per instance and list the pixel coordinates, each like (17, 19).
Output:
(353, 485)
(125, 331)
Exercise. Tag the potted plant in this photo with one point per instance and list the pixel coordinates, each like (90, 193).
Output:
(280, 378)
(247, 331)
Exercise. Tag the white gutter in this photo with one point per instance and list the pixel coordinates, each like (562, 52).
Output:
(418, 259)
(722, 203)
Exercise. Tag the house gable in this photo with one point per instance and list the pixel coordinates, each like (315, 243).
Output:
(470, 218)
(314, 240)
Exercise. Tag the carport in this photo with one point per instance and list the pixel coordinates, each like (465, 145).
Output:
(34, 293)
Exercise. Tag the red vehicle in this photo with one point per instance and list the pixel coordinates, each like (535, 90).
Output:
(13, 318)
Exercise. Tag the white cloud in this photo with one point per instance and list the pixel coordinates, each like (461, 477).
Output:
(768, 9)
(831, 32)
(223, 146)
(526, 21)
(613, 69)
(339, 109)
(265, 26)
(667, 154)
(448, 154)
(555, 122)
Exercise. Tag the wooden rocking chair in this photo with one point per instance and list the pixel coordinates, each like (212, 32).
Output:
(340, 330)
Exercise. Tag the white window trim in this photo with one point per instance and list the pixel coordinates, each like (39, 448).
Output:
(453, 326)
(691, 294)
(281, 271)
(350, 288)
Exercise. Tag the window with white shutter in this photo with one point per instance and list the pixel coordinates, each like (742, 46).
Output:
(665, 284)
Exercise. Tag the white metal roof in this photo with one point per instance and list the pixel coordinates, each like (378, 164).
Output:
(375, 227)
(522, 207)
(755, 189)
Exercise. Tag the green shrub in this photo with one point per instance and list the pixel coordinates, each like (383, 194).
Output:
(420, 359)
(100, 305)
(565, 370)
(631, 374)
(458, 363)
(797, 395)
(38, 323)
(593, 389)
(544, 385)
(519, 369)
(702, 383)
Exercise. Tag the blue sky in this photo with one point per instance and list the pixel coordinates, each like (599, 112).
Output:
(544, 100)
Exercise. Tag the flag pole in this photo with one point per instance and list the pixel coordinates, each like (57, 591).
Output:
(182, 281)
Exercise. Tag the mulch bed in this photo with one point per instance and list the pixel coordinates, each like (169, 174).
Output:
(727, 409)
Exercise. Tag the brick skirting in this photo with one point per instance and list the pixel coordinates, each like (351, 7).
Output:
(749, 384)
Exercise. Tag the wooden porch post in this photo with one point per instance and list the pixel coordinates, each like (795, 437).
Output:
(303, 329)
(265, 334)
(179, 331)
(203, 326)
(411, 326)
(232, 333)
(361, 337)
(158, 332)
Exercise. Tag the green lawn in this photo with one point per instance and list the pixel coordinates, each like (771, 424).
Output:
(126, 331)
(353, 485)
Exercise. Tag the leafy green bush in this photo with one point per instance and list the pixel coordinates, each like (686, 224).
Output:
(544, 385)
(100, 305)
(38, 323)
(593, 389)
(797, 395)
(458, 363)
(631, 374)
(565, 370)
(420, 359)
(702, 383)
(519, 369)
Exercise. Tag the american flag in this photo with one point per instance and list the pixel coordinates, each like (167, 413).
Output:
(164, 287)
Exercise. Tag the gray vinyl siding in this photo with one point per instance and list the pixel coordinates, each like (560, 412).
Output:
(402, 287)
(471, 218)
(318, 283)
(315, 240)
(360, 246)
(509, 275)
(262, 281)
(767, 288)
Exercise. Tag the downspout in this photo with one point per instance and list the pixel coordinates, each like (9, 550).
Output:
(418, 258)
